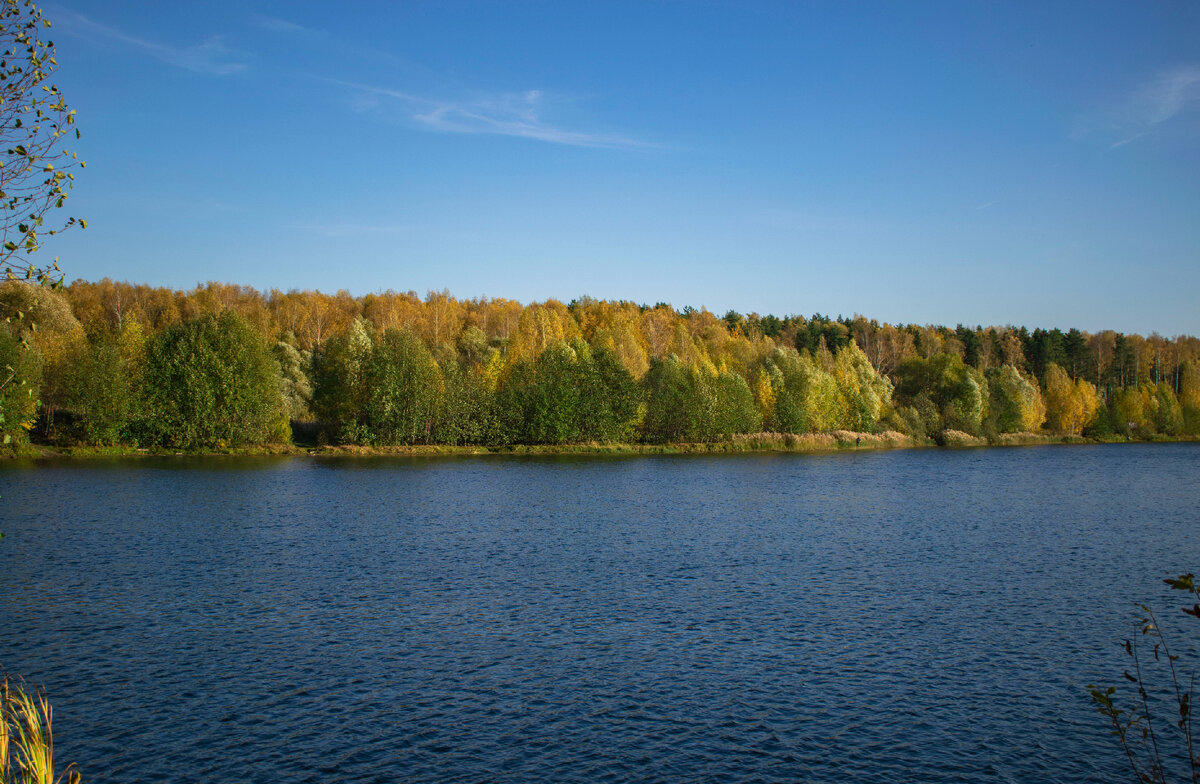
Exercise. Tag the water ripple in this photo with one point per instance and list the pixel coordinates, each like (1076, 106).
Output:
(912, 616)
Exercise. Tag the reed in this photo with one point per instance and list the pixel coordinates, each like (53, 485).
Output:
(27, 739)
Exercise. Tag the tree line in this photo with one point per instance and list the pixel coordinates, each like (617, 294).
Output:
(226, 366)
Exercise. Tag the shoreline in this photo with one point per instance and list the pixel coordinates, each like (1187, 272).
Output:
(808, 443)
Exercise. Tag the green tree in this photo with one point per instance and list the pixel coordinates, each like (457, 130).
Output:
(1102, 426)
(20, 376)
(473, 345)
(1129, 412)
(1014, 402)
(668, 391)
(403, 390)
(295, 386)
(100, 396)
(736, 411)
(944, 391)
(1168, 414)
(340, 381)
(212, 382)
(1189, 397)
(806, 396)
(608, 400)
(865, 396)
(545, 394)
(466, 415)
(43, 324)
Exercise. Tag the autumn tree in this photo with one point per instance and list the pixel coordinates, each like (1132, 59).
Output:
(294, 378)
(1189, 397)
(540, 326)
(53, 332)
(1070, 406)
(20, 375)
(944, 392)
(1128, 411)
(1015, 404)
(806, 396)
(1168, 414)
(865, 396)
(765, 396)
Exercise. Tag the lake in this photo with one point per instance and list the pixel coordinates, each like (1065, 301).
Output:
(917, 615)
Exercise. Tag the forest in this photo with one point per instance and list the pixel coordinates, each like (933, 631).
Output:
(225, 366)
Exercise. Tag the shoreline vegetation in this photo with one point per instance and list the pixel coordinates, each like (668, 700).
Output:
(757, 443)
(117, 368)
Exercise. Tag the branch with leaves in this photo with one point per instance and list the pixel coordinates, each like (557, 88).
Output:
(1146, 737)
(36, 169)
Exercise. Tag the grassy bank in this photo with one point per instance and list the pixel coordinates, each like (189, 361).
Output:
(807, 443)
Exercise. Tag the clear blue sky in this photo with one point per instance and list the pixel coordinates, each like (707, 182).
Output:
(977, 162)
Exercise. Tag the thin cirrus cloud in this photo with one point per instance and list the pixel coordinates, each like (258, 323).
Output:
(275, 24)
(1160, 99)
(210, 56)
(503, 114)
(506, 114)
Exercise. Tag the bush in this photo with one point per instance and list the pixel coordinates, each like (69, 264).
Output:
(212, 383)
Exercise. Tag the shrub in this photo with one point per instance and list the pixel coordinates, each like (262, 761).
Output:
(212, 382)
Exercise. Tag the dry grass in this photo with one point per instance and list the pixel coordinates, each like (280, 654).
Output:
(27, 739)
(959, 438)
(820, 442)
(1025, 439)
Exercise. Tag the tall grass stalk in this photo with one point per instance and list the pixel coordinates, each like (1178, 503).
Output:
(1155, 744)
(27, 739)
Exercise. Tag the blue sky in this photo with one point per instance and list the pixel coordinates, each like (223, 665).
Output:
(982, 162)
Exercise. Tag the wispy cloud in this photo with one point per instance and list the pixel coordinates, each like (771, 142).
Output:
(505, 114)
(277, 25)
(1155, 102)
(517, 114)
(210, 56)
(1168, 94)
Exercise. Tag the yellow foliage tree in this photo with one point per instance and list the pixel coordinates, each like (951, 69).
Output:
(1189, 397)
(541, 325)
(764, 397)
(1070, 407)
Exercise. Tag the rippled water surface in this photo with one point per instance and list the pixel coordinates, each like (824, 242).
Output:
(924, 616)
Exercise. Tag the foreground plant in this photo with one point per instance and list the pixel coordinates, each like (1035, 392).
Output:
(26, 738)
(1150, 741)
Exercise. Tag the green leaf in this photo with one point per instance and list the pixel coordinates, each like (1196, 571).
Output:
(1184, 582)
